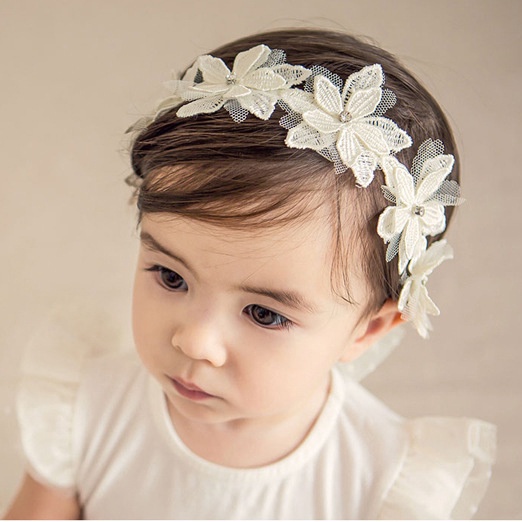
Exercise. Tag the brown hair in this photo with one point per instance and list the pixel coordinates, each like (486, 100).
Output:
(242, 175)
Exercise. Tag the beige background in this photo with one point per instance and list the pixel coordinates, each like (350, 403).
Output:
(75, 73)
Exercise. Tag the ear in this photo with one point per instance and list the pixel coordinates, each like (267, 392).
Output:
(381, 323)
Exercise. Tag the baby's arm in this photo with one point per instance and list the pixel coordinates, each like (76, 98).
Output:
(36, 501)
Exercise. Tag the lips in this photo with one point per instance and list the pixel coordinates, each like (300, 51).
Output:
(189, 390)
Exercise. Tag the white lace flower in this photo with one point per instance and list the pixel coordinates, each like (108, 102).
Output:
(414, 301)
(176, 88)
(253, 86)
(419, 200)
(348, 122)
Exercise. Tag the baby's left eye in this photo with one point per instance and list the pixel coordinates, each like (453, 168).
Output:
(266, 317)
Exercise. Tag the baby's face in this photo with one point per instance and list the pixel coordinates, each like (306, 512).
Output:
(240, 325)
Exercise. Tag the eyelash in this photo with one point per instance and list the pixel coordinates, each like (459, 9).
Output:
(162, 271)
(281, 322)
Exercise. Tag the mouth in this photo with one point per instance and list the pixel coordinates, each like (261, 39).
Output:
(189, 390)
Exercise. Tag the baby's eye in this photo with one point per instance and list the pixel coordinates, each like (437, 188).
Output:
(267, 318)
(168, 278)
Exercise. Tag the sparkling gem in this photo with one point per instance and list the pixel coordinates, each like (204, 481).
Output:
(231, 78)
(344, 117)
(419, 211)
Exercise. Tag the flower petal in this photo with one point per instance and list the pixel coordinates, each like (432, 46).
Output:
(264, 80)
(395, 138)
(404, 295)
(371, 137)
(410, 236)
(404, 186)
(203, 106)
(363, 103)
(364, 167)
(388, 165)
(260, 104)
(425, 303)
(414, 301)
(250, 60)
(401, 219)
(213, 69)
(293, 74)
(191, 72)
(389, 225)
(327, 96)
(418, 309)
(420, 302)
(348, 147)
(419, 250)
(434, 220)
(200, 90)
(298, 101)
(322, 121)
(236, 91)
(431, 183)
(305, 137)
(440, 162)
(432, 258)
(367, 78)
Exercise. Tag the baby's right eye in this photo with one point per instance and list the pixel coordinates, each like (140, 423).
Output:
(168, 278)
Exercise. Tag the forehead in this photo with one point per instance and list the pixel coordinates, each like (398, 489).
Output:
(311, 239)
(295, 256)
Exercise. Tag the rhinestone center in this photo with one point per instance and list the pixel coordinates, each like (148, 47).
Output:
(345, 117)
(419, 211)
(231, 79)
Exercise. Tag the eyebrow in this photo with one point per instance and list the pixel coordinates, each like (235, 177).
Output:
(286, 297)
(153, 244)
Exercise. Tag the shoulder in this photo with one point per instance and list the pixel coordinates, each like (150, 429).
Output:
(62, 363)
(111, 386)
(428, 467)
(446, 470)
(58, 403)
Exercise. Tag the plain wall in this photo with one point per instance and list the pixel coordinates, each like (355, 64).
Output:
(75, 73)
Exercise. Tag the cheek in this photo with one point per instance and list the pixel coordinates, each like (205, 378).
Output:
(146, 321)
(272, 379)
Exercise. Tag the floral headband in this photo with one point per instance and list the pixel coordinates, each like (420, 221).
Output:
(343, 122)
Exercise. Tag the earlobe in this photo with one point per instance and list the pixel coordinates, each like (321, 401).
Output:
(380, 324)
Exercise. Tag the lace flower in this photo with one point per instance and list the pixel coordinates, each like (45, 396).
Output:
(419, 200)
(253, 86)
(414, 301)
(348, 123)
(176, 87)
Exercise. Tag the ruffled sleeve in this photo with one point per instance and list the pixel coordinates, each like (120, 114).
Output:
(51, 372)
(445, 472)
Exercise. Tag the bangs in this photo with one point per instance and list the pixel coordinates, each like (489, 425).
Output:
(237, 194)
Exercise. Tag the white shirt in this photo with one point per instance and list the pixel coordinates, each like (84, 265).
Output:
(101, 430)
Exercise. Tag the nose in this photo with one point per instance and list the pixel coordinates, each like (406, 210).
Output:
(199, 338)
